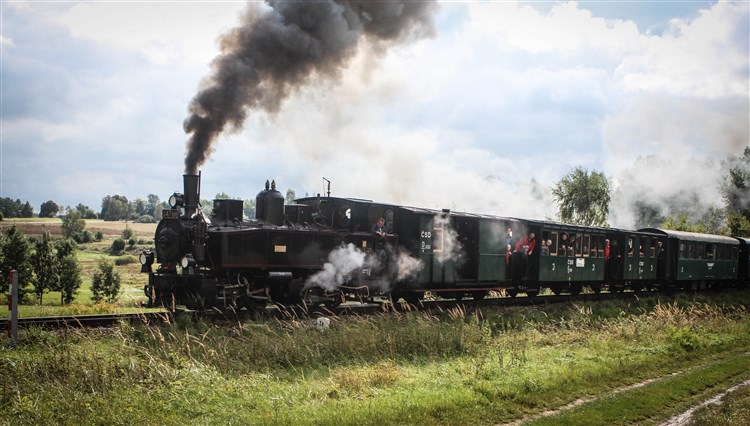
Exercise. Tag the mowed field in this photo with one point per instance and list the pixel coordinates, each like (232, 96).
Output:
(89, 255)
(37, 226)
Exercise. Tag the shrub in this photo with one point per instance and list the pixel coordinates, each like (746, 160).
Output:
(118, 245)
(146, 218)
(125, 260)
(131, 242)
(99, 236)
(83, 237)
(127, 233)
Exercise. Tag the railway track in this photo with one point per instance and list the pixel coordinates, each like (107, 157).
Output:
(288, 312)
(98, 320)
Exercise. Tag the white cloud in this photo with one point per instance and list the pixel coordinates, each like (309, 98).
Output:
(163, 31)
(700, 58)
(464, 120)
(565, 29)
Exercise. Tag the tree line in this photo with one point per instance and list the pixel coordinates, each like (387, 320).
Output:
(583, 197)
(45, 265)
(114, 207)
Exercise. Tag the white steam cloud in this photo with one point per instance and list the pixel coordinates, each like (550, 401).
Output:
(346, 261)
(446, 244)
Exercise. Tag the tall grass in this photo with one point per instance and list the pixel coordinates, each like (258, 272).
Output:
(458, 365)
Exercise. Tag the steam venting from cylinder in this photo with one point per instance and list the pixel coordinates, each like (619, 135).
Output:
(192, 186)
(276, 50)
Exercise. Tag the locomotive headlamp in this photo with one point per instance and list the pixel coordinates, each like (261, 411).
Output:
(177, 200)
(147, 259)
(187, 261)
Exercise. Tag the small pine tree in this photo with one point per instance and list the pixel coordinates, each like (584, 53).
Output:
(105, 284)
(15, 252)
(45, 266)
(69, 270)
(127, 233)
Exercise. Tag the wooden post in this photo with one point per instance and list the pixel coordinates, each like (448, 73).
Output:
(13, 306)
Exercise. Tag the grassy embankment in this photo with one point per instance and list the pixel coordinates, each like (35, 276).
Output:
(89, 255)
(452, 367)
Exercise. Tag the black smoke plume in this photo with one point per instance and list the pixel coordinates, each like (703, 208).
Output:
(280, 47)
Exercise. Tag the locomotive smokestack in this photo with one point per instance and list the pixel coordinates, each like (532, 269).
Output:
(192, 186)
(279, 48)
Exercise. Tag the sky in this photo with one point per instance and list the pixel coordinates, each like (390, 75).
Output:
(484, 115)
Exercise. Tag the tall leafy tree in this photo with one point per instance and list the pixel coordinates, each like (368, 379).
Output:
(27, 210)
(115, 207)
(290, 196)
(86, 211)
(49, 209)
(711, 222)
(10, 208)
(152, 201)
(69, 270)
(15, 253)
(583, 197)
(735, 189)
(248, 207)
(73, 224)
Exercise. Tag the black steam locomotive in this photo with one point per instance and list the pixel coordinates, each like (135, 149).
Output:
(321, 250)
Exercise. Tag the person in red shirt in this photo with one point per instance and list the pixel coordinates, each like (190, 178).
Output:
(606, 250)
(527, 243)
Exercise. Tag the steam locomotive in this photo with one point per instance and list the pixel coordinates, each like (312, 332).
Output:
(320, 250)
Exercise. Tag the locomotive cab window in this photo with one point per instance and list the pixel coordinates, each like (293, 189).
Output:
(344, 218)
(388, 216)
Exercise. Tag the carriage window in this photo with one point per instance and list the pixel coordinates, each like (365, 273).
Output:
(578, 244)
(701, 252)
(630, 247)
(552, 243)
(586, 242)
(641, 241)
(594, 245)
(437, 240)
(682, 250)
(653, 248)
(710, 251)
(545, 247)
(734, 253)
